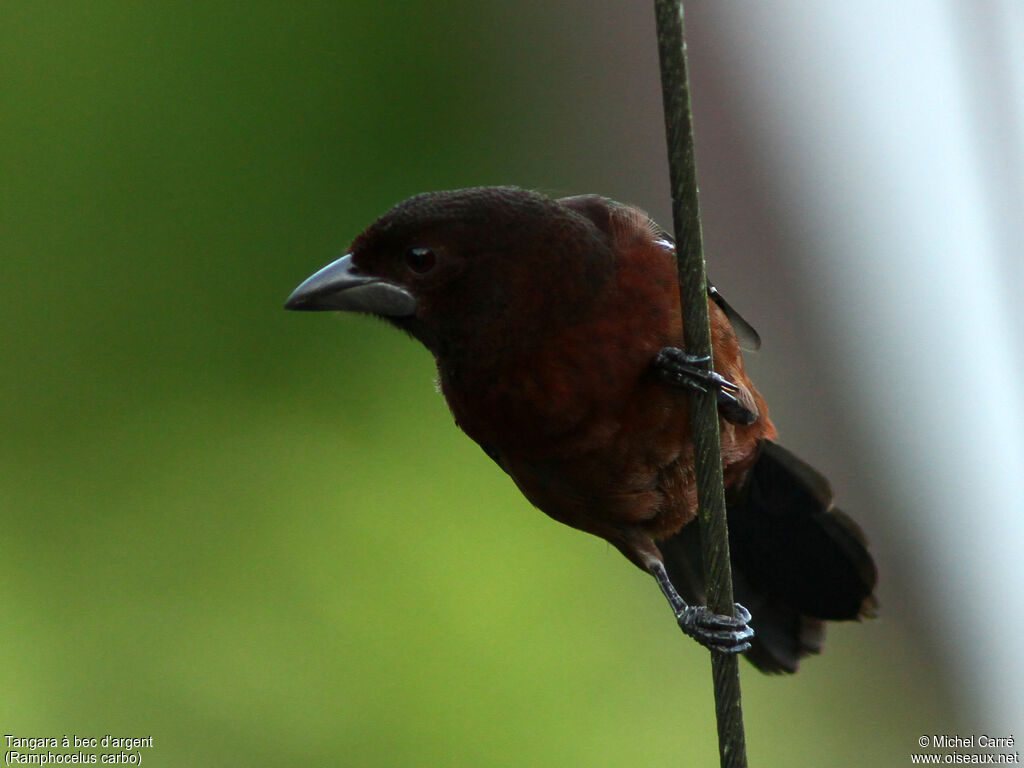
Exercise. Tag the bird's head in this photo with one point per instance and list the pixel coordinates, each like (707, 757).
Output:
(469, 269)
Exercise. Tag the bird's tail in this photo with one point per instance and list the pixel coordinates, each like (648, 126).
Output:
(797, 561)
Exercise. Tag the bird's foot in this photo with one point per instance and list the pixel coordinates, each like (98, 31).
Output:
(715, 631)
(677, 368)
(674, 366)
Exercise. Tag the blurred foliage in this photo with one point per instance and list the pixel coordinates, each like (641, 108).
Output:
(257, 536)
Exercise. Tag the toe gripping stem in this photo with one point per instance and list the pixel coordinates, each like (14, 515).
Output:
(679, 369)
(715, 631)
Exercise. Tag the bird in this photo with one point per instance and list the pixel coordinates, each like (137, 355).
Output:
(556, 328)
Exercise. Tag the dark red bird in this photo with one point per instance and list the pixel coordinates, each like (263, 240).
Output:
(556, 329)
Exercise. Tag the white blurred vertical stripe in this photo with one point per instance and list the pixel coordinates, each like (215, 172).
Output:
(896, 131)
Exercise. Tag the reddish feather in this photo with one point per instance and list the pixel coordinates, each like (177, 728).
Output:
(590, 436)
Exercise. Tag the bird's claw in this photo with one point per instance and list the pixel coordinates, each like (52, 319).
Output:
(716, 631)
(676, 367)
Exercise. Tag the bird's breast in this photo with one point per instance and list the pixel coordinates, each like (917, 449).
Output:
(582, 425)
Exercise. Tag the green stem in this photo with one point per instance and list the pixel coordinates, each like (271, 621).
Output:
(697, 339)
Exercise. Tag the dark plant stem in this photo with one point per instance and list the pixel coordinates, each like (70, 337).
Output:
(697, 339)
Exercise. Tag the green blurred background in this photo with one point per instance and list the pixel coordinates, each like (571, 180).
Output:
(257, 536)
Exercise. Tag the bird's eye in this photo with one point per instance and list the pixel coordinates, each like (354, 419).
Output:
(420, 260)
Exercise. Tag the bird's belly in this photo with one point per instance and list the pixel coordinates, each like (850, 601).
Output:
(634, 471)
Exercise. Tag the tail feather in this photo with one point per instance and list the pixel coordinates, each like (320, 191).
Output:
(797, 561)
(782, 635)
